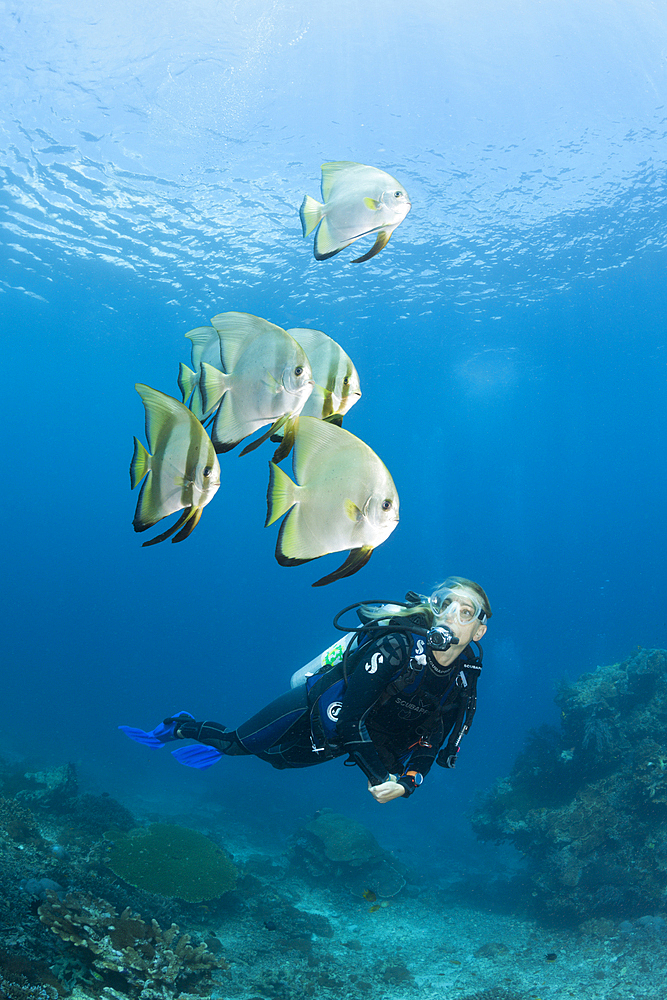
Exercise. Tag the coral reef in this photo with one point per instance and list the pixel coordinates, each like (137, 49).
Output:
(52, 789)
(343, 839)
(95, 814)
(587, 805)
(139, 952)
(23, 979)
(172, 861)
(19, 822)
(339, 850)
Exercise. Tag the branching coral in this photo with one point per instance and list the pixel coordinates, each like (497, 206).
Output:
(123, 943)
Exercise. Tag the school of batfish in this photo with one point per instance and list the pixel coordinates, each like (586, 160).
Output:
(248, 374)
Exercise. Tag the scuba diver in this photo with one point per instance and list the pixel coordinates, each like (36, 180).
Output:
(388, 694)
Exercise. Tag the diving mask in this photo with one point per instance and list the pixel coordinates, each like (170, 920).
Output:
(455, 604)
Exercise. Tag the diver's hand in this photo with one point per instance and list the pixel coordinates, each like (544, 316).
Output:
(387, 791)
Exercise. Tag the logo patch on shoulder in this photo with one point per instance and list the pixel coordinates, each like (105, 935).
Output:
(376, 660)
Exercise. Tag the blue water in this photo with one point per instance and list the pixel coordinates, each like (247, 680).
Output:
(510, 340)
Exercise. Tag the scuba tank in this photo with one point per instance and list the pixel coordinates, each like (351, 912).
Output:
(328, 658)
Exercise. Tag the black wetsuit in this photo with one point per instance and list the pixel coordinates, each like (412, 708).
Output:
(392, 717)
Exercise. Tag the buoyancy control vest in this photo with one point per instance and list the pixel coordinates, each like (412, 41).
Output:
(326, 678)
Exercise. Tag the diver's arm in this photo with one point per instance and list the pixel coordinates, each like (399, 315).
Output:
(373, 670)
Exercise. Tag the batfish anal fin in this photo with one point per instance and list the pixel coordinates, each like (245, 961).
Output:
(281, 558)
(380, 243)
(326, 256)
(354, 562)
(326, 243)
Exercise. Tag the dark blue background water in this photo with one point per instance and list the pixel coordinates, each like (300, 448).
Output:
(510, 341)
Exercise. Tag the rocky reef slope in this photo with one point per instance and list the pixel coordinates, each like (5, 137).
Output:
(587, 804)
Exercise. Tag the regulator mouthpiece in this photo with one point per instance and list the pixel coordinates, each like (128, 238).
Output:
(440, 638)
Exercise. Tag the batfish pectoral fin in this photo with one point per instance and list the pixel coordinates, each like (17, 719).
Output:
(381, 241)
(185, 516)
(373, 204)
(354, 562)
(353, 511)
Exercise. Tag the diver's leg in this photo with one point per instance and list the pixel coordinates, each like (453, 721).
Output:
(263, 730)
(213, 734)
(270, 725)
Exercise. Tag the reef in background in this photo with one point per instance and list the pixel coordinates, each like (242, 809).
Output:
(99, 904)
(587, 805)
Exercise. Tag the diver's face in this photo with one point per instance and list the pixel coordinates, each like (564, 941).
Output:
(463, 623)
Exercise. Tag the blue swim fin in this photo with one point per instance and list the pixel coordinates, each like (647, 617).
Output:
(164, 733)
(197, 755)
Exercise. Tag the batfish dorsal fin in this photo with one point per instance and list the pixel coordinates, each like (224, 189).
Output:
(236, 330)
(202, 338)
(161, 412)
(331, 172)
(313, 437)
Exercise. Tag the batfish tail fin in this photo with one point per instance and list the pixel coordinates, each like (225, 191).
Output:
(140, 464)
(187, 381)
(311, 212)
(279, 495)
(213, 386)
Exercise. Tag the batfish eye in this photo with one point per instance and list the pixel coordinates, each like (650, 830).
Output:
(397, 194)
(386, 505)
(298, 371)
(346, 381)
(207, 471)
